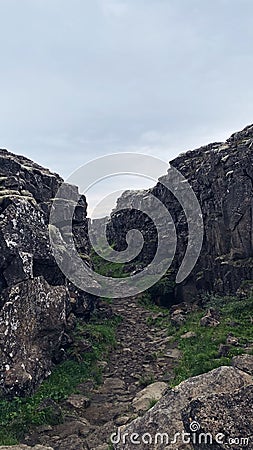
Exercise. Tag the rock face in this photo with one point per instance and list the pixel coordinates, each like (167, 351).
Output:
(221, 175)
(33, 319)
(35, 297)
(232, 422)
(211, 403)
(243, 362)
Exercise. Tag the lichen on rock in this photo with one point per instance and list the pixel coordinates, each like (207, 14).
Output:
(34, 294)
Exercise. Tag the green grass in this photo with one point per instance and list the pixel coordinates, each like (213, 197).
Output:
(152, 403)
(20, 414)
(200, 353)
(107, 268)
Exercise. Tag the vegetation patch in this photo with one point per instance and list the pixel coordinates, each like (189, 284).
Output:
(19, 415)
(108, 268)
(152, 403)
(200, 353)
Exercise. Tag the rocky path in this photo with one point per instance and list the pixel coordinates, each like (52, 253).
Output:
(144, 356)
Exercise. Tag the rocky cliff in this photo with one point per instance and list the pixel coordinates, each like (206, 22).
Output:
(221, 175)
(36, 301)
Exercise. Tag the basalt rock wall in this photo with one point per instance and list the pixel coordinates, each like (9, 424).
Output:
(221, 175)
(36, 300)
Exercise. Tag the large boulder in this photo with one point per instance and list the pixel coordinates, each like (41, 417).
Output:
(169, 424)
(32, 323)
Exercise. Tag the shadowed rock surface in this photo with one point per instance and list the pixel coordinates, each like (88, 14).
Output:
(221, 175)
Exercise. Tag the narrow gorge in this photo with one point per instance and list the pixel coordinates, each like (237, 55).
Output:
(170, 368)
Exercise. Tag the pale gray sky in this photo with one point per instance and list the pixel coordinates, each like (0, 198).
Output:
(82, 78)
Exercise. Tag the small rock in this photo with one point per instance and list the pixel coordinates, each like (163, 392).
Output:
(159, 315)
(223, 350)
(188, 335)
(43, 428)
(136, 376)
(115, 385)
(233, 324)
(78, 401)
(163, 333)
(86, 386)
(232, 340)
(122, 420)
(176, 312)
(73, 442)
(182, 307)
(84, 346)
(211, 319)
(167, 339)
(166, 378)
(249, 349)
(103, 310)
(178, 319)
(124, 398)
(100, 435)
(173, 353)
(80, 427)
(154, 391)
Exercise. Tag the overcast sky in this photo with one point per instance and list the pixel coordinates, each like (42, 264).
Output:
(83, 78)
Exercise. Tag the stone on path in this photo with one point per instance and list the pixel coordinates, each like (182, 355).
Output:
(154, 391)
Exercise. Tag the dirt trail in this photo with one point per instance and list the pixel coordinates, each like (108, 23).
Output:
(144, 354)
